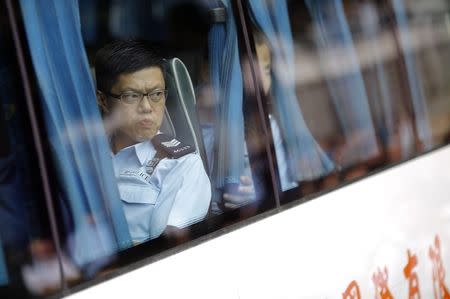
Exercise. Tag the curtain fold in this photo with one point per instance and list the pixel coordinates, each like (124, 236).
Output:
(305, 159)
(347, 90)
(226, 79)
(388, 119)
(371, 29)
(75, 129)
(414, 81)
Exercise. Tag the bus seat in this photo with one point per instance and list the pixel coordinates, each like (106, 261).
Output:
(167, 125)
(181, 118)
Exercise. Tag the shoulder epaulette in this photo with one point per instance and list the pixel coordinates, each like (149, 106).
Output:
(171, 147)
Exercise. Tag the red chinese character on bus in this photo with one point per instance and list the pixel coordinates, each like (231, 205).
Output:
(352, 291)
(412, 276)
(380, 280)
(440, 290)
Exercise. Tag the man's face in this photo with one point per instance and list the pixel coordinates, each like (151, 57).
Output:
(141, 121)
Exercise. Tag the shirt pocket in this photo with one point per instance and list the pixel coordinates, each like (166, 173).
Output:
(135, 189)
(138, 201)
(139, 193)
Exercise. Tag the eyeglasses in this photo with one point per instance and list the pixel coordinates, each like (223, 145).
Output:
(136, 97)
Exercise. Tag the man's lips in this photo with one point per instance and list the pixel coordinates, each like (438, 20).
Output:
(147, 123)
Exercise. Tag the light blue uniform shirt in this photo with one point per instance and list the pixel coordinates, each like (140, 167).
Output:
(178, 193)
(283, 170)
(280, 153)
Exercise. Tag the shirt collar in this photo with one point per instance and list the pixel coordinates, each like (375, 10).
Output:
(143, 150)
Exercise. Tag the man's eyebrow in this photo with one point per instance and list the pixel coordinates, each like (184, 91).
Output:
(128, 89)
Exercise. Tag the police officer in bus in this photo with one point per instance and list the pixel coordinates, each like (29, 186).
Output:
(162, 182)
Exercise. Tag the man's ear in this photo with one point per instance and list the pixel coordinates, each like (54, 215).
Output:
(101, 102)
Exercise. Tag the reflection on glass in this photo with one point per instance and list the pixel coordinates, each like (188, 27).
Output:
(29, 264)
(28, 259)
(343, 76)
(299, 157)
(131, 159)
(419, 104)
(89, 200)
(237, 156)
(230, 153)
(382, 66)
(390, 118)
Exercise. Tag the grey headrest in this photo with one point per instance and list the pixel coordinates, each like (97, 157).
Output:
(167, 125)
(181, 106)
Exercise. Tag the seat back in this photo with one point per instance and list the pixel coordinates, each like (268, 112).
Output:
(167, 125)
(181, 116)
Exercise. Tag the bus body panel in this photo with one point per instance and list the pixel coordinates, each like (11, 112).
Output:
(376, 235)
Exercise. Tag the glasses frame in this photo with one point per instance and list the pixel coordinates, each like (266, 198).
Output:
(142, 96)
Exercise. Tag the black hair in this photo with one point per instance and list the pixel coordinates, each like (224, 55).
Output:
(124, 57)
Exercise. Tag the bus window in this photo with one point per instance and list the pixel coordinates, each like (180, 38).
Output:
(237, 148)
(351, 78)
(150, 130)
(300, 159)
(29, 263)
(391, 116)
(345, 86)
(425, 66)
(197, 33)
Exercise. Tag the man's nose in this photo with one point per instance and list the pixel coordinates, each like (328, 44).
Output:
(145, 105)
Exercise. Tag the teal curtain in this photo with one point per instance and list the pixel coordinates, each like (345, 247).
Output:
(387, 116)
(415, 82)
(305, 159)
(98, 226)
(347, 90)
(226, 79)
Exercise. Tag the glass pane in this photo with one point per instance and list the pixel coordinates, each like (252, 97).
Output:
(29, 265)
(352, 85)
(300, 159)
(144, 106)
(425, 42)
(203, 71)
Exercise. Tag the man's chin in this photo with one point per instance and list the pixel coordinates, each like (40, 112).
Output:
(145, 137)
